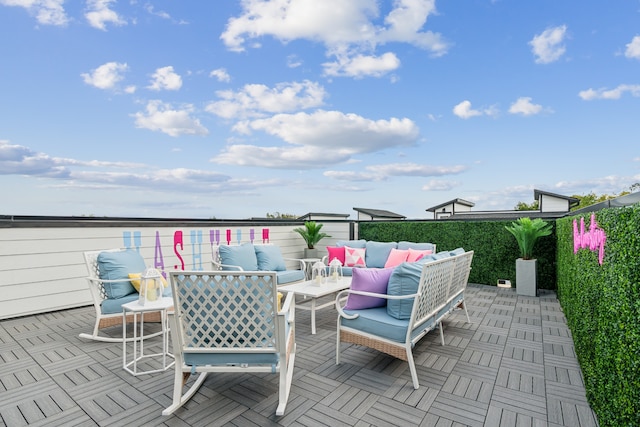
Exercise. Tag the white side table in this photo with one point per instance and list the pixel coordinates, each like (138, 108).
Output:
(131, 366)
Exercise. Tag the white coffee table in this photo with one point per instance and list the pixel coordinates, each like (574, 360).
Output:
(131, 366)
(312, 290)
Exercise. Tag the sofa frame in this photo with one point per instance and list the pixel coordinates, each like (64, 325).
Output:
(440, 291)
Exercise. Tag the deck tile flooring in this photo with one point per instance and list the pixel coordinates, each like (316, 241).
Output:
(514, 365)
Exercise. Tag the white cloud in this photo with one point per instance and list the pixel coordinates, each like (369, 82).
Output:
(548, 46)
(220, 74)
(525, 107)
(633, 48)
(615, 93)
(440, 185)
(383, 172)
(362, 65)
(254, 100)
(161, 117)
(165, 79)
(106, 76)
(47, 12)
(351, 30)
(318, 139)
(98, 14)
(464, 110)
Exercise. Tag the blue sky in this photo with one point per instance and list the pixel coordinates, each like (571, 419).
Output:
(235, 109)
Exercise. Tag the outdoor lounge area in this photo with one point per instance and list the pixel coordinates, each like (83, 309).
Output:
(513, 365)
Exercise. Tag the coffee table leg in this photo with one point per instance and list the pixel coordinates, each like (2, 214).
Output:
(313, 316)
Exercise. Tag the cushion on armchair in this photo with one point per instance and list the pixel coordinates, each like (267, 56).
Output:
(117, 266)
(335, 252)
(396, 257)
(243, 256)
(378, 252)
(403, 281)
(269, 258)
(369, 280)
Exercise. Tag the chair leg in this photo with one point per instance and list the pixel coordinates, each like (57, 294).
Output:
(412, 368)
(465, 310)
(180, 399)
(286, 378)
(338, 344)
(441, 333)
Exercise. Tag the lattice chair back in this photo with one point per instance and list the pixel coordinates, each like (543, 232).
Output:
(229, 321)
(434, 286)
(234, 312)
(461, 273)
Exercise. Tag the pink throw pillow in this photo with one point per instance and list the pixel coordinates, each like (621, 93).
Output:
(369, 280)
(354, 257)
(396, 257)
(336, 252)
(415, 255)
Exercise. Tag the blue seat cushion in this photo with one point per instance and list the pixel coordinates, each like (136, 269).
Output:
(117, 266)
(289, 276)
(377, 253)
(243, 256)
(114, 305)
(269, 258)
(376, 321)
(201, 359)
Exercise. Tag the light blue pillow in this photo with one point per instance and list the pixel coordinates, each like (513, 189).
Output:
(358, 244)
(377, 253)
(117, 266)
(417, 246)
(403, 281)
(269, 258)
(243, 256)
(442, 255)
(457, 251)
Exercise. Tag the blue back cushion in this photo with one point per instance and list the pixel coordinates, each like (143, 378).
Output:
(418, 246)
(377, 253)
(359, 244)
(269, 258)
(457, 251)
(117, 266)
(403, 281)
(243, 256)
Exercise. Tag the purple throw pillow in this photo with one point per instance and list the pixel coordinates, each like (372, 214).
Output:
(369, 280)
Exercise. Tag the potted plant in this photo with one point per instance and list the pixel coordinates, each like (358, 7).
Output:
(527, 231)
(312, 235)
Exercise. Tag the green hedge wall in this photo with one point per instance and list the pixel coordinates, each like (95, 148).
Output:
(495, 249)
(602, 306)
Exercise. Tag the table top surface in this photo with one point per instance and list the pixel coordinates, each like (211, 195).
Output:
(312, 289)
(161, 304)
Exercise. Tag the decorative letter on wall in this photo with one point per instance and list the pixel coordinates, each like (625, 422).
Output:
(594, 239)
(177, 241)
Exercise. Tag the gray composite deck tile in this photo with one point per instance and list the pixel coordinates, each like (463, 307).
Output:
(513, 365)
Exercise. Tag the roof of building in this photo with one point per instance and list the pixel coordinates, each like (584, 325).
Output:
(572, 200)
(451, 202)
(323, 214)
(379, 213)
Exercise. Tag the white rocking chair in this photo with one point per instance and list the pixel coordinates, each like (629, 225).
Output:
(229, 322)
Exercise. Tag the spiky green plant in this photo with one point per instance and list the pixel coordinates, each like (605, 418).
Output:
(311, 233)
(527, 232)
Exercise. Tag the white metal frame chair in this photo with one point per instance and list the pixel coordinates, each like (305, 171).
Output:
(228, 321)
(98, 295)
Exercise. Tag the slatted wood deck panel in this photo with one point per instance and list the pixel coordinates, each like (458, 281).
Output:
(514, 365)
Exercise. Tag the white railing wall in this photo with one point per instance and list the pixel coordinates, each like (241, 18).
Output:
(42, 267)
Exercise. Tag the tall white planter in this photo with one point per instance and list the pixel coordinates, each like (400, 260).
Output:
(526, 280)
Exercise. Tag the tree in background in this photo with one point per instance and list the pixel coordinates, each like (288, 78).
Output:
(278, 215)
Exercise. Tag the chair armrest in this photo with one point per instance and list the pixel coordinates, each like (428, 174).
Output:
(303, 264)
(325, 259)
(344, 293)
(229, 267)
